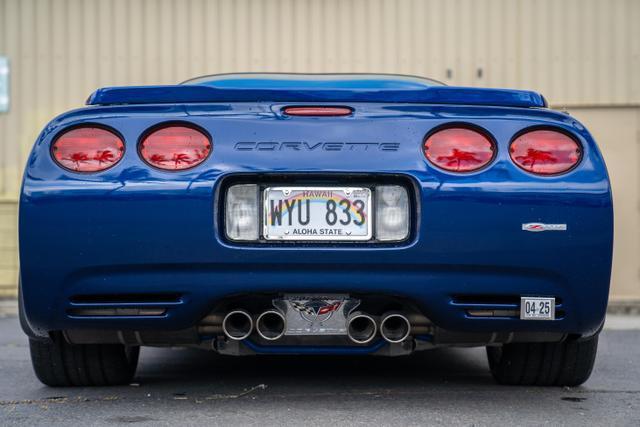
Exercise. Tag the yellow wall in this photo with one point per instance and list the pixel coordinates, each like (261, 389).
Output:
(8, 246)
(617, 131)
(582, 54)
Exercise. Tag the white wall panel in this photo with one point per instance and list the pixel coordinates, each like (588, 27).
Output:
(578, 53)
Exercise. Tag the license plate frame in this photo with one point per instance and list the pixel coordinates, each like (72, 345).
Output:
(537, 308)
(347, 193)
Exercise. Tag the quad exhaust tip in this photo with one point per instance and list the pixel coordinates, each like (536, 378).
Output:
(270, 325)
(237, 325)
(361, 328)
(395, 327)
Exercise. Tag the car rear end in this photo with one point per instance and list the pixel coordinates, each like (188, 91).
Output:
(276, 220)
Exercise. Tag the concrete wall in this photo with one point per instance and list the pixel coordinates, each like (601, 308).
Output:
(582, 54)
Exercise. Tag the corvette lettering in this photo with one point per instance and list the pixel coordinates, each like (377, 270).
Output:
(316, 146)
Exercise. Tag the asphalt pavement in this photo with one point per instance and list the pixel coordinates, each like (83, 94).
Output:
(447, 386)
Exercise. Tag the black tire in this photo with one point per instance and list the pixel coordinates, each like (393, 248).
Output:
(60, 364)
(567, 363)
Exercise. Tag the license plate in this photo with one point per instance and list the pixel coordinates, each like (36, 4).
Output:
(537, 308)
(317, 213)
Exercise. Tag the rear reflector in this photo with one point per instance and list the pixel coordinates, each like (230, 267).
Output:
(459, 149)
(493, 313)
(545, 152)
(117, 311)
(87, 149)
(176, 147)
(160, 298)
(317, 111)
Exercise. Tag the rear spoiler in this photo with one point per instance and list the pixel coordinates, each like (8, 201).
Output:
(187, 94)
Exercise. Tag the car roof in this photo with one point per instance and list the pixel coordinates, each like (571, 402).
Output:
(300, 81)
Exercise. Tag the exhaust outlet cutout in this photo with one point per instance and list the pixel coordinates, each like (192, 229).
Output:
(395, 327)
(237, 325)
(270, 325)
(361, 328)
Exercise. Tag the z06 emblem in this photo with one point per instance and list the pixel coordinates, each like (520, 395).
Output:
(535, 227)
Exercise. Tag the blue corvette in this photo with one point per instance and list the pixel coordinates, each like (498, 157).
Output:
(314, 214)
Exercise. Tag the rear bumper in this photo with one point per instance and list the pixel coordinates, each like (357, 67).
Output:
(150, 243)
(442, 293)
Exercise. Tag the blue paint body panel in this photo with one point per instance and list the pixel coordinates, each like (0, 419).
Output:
(319, 88)
(135, 229)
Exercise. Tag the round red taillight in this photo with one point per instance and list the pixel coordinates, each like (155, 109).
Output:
(459, 149)
(175, 147)
(87, 149)
(545, 152)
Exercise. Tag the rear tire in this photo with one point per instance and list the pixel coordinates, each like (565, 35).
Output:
(59, 364)
(567, 363)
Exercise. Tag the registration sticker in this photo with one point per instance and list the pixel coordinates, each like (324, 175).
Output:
(537, 308)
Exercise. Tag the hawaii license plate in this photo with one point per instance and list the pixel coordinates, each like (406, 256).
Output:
(317, 213)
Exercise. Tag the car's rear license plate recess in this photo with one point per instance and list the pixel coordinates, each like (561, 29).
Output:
(317, 213)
